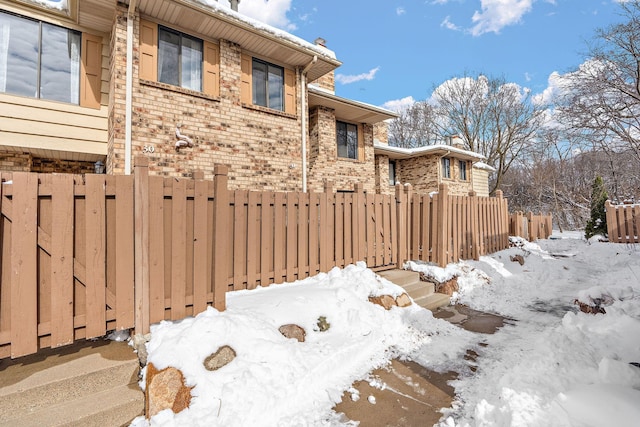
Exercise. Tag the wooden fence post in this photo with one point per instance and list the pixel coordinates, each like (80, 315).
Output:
(359, 223)
(201, 278)
(141, 244)
(326, 224)
(442, 233)
(403, 197)
(221, 224)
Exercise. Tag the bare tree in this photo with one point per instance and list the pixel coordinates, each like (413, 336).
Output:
(495, 118)
(415, 127)
(601, 98)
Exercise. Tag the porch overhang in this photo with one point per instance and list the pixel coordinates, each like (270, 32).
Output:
(348, 109)
(441, 150)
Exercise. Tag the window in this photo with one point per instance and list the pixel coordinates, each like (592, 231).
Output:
(392, 172)
(179, 59)
(39, 60)
(463, 170)
(347, 139)
(263, 84)
(268, 85)
(446, 167)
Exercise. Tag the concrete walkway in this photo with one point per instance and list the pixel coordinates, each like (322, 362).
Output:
(412, 394)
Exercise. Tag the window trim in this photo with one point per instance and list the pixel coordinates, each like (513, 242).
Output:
(445, 166)
(182, 36)
(246, 87)
(358, 154)
(464, 163)
(148, 60)
(395, 172)
(90, 64)
(267, 89)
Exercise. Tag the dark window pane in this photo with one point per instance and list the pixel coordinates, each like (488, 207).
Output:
(19, 55)
(259, 78)
(446, 168)
(191, 63)
(352, 141)
(392, 172)
(168, 57)
(276, 88)
(347, 140)
(60, 64)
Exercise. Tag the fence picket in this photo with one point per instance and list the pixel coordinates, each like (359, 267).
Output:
(95, 283)
(62, 260)
(201, 278)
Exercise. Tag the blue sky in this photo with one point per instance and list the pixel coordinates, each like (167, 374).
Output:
(398, 50)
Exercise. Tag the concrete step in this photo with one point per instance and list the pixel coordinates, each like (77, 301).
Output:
(416, 285)
(434, 301)
(95, 372)
(400, 277)
(425, 289)
(117, 406)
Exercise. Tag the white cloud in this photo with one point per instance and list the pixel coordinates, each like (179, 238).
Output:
(446, 23)
(497, 14)
(270, 12)
(345, 80)
(399, 105)
(400, 11)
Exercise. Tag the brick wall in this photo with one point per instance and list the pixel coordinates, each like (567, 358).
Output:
(262, 147)
(324, 163)
(25, 162)
(326, 82)
(15, 162)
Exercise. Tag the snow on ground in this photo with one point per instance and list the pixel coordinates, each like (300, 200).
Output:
(551, 365)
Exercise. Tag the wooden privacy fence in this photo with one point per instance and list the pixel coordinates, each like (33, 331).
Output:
(444, 228)
(86, 254)
(623, 222)
(529, 226)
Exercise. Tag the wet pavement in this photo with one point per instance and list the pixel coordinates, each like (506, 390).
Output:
(406, 393)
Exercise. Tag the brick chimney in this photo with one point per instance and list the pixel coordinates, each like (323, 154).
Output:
(234, 4)
(328, 81)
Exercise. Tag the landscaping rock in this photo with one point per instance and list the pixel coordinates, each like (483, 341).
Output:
(165, 389)
(403, 300)
(293, 331)
(322, 324)
(590, 309)
(222, 357)
(448, 287)
(517, 258)
(386, 301)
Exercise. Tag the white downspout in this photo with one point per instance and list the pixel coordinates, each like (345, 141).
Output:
(129, 88)
(303, 107)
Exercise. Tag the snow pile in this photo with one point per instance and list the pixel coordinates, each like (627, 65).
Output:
(279, 381)
(556, 366)
(551, 365)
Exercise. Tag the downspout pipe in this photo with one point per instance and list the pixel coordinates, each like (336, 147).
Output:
(129, 88)
(303, 107)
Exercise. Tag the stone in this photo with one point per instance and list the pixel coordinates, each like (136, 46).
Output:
(293, 331)
(448, 287)
(322, 324)
(403, 300)
(386, 301)
(517, 258)
(165, 389)
(590, 309)
(222, 357)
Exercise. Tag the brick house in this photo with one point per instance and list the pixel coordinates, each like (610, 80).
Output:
(189, 85)
(427, 167)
